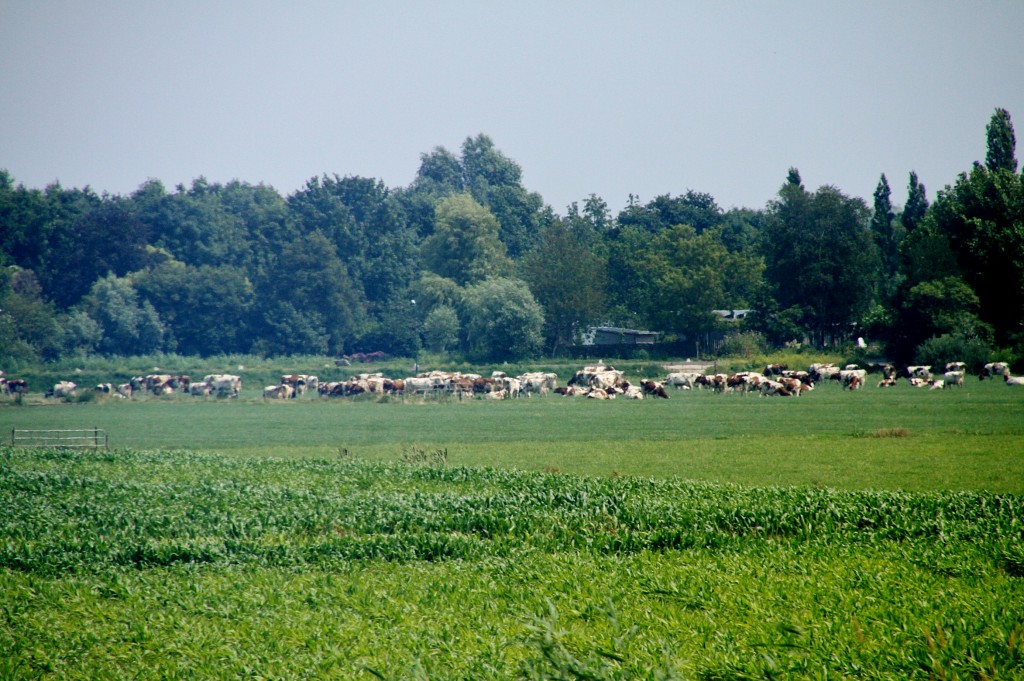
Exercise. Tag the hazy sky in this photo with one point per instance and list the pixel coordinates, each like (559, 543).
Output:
(609, 98)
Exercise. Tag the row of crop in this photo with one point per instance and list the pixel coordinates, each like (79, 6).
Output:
(84, 511)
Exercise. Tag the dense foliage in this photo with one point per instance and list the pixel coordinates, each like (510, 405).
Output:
(337, 266)
(186, 565)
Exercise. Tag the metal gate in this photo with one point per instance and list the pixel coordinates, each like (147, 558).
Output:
(91, 438)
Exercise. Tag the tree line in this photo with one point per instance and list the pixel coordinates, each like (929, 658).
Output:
(466, 260)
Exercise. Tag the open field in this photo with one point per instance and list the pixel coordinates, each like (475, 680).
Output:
(901, 437)
(872, 534)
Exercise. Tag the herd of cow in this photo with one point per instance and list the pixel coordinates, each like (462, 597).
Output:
(221, 385)
(593, 382)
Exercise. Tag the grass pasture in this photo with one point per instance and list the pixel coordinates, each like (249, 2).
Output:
(877, 534)
(898, 438)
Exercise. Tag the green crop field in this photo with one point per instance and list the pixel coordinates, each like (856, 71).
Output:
(870, 534)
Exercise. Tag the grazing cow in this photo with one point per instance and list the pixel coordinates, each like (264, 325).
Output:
(795, 386)
(200, 389)
(419, 384)
(61, 389)
(325, 388)
(802, 376)
(770, 387)
(393, 386)
(511, 386)
(634, 392)
(224, 385)
(887, 370)
(852, 379)
(953, 378)
(158, 383)
(165, 388)
(823, 372)
(919, 371)
(718, 382)
(681, 380)
(599, 376)
(300, 383)
(281, 391)
(181, 383)
(745, 381)
(993, 369)
(16, 386)
(540, 382)
(653, 388)
(334, 388)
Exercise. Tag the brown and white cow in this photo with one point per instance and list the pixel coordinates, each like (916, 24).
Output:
(281, 391)
(16, 386)
(653, 388)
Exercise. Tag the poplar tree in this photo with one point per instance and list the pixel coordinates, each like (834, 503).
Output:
(887, 239)
(917, 204)
(1001, 143)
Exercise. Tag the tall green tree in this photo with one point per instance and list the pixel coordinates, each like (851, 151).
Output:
(439, 175)
(917, 204)
(207, 310)
(195, 225)
(689, 275)
(741, 230)
(495, 181)
(368, 228)
(441, 329)
(695, 209)
(887, 235)
(1002, 143)
(503, 321)
(130, 324)
(486, 174)
(820, 258)
(108, 238)
(567, 274)
(597, 214)
(25, 224)
(628, 295)
(982, 216)
(29, 326)
(306, 304)
(465, 246)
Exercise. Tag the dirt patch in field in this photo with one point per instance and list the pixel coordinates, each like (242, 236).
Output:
(699, 367)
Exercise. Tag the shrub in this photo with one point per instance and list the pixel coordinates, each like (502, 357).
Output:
(745, 344)
(953, 347)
